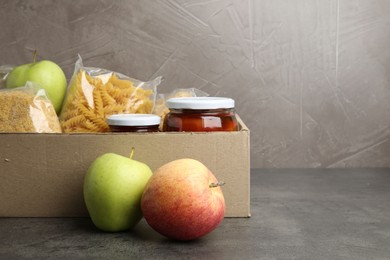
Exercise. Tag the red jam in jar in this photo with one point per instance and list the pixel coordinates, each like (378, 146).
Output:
(139, 123)
(200, 114)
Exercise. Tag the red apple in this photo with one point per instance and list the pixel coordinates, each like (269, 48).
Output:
(183, 200)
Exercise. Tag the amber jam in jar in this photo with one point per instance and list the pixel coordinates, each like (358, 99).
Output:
(200, 114)
(134, 123)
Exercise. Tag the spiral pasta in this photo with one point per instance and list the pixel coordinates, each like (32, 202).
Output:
(91, 99)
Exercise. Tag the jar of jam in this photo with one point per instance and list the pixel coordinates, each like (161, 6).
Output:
(200, 114)
(139, 123)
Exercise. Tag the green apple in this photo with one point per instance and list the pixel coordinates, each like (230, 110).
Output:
(47, 73)
(113, 188)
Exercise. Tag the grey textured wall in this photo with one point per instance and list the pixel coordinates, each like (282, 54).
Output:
(310, 78)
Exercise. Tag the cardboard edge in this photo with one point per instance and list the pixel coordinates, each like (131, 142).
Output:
(241, 123)
(244, 128)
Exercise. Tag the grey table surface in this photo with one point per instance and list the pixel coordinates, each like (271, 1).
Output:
(296, 214)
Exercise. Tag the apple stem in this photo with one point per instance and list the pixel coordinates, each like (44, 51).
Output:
(35, 56)
(216, 184)
(132, 152)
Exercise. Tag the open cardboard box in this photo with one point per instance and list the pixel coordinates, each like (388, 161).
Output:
(42, 174)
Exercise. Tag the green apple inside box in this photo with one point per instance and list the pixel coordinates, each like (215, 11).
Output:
(48, 74)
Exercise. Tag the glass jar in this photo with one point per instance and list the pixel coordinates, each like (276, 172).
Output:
(200, 114)
(139, 123)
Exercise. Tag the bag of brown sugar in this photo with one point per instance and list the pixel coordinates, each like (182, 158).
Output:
(27, 110)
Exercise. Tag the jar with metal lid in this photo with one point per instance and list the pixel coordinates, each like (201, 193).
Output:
(200, 114)
(139, 123)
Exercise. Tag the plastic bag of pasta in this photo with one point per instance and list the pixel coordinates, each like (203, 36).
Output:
(95, 93)
(27, 109)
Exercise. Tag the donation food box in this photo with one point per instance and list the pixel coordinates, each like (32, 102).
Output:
(42, 174)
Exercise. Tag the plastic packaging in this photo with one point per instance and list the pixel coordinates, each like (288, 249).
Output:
(27, 109)
(95, 93)
(4, 71)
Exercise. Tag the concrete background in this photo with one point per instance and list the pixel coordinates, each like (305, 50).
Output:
(311, 79)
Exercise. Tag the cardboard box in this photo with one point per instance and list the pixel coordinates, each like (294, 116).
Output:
(42, 174)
